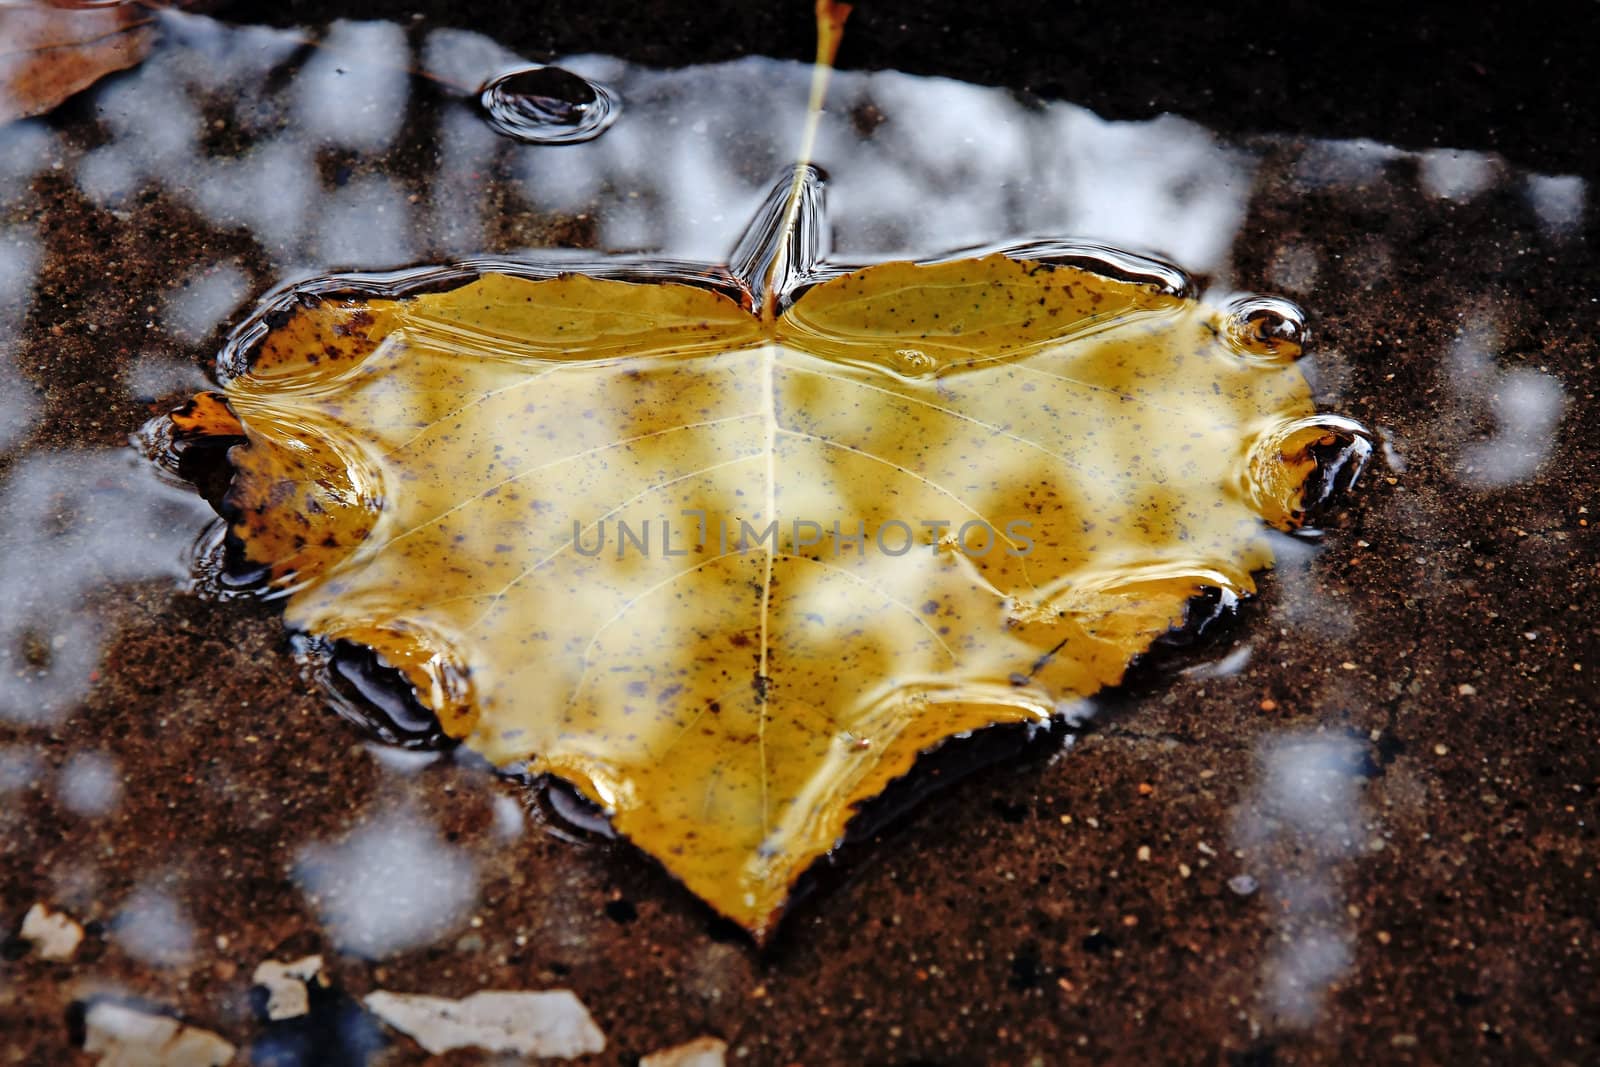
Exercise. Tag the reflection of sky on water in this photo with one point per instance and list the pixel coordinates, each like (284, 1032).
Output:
(90, 784)
(392, 885)
(1356, 163)
(19, 259)
(1297, 830)
(152, 928)
(1558, 200)
(352, 92)
(920, 165)
(72, 523)
(1524, 404)
(1452, 175)
(202, 301)
(20, 768)
(1302, 601)
(917, 166)
(156, 375)
(510, 818)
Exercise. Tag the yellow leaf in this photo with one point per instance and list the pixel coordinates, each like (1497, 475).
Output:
(729, 572)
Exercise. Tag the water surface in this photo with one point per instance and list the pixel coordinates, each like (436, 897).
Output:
(1394, 748)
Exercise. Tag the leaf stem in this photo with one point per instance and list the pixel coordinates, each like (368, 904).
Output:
(830, 31)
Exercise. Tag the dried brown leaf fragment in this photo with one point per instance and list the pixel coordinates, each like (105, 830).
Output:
(47, 54)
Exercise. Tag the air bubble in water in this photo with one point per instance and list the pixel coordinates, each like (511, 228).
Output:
(548, 105)
(1265, 328)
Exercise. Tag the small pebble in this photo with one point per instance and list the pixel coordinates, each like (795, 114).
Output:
(286, 984)
(701, 1052)
(55, 934)
(1243, 884)
(129, 1037)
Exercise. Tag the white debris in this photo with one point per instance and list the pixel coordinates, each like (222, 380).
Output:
(701, 1052)
(553, 1023)
(126, 1037)
(54, 934)
(285, 984)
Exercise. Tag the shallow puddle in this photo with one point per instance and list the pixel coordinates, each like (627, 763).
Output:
(1299, 833)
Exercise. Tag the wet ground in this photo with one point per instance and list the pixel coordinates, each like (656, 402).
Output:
(1359, 824)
